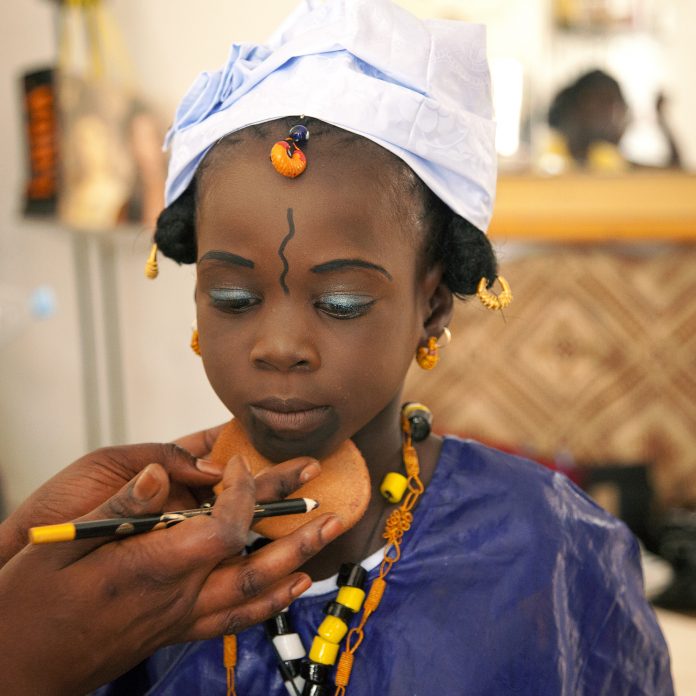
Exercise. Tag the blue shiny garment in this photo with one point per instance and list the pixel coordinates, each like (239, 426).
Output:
(511, 582)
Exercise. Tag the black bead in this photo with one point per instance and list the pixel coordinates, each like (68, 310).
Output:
(340, 611)
(279, 625)
(317, 689)
(316, 673)
(290, 669)
(420, 420)
(351, 575)
(420, 427)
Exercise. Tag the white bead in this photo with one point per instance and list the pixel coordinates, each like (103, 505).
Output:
(289, 647)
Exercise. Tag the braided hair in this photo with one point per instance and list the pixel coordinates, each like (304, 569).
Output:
(464, 251)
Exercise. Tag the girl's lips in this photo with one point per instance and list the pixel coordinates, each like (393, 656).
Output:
(290, 417)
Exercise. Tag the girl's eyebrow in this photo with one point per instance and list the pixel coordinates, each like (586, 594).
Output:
(227, 257)
(337, 264)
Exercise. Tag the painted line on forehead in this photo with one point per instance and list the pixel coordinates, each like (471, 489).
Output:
(281, 251)
(339, 264)
(227, 257)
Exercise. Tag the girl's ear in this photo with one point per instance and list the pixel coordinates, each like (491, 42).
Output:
(440, 305)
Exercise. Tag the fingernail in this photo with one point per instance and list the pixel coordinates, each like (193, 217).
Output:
(309, 472)
(208, 467)
(146, 485)
(331, 528)
(302, 585)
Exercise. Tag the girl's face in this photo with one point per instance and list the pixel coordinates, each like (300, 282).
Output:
(309, 299)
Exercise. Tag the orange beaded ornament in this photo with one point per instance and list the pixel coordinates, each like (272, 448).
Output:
(428, 356)
(287, 157)
(398, 523)
(195, 345)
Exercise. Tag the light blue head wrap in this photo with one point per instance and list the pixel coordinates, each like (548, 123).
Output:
(419, 88)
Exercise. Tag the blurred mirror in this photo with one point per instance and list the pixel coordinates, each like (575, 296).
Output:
(596, 85)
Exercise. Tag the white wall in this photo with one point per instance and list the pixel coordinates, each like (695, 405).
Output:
(42, 424)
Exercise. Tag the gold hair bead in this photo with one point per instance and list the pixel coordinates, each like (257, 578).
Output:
(151, 269)
(491, 300)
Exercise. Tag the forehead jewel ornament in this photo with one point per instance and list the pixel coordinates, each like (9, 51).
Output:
(420, 88)
(286, 156)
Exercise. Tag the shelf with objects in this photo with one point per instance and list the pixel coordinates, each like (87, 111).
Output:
(95, 170)
(588, 207)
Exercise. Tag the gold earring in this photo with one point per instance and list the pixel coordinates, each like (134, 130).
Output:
(428, 357)
(194, 340)
(151, 270)
(489, 299)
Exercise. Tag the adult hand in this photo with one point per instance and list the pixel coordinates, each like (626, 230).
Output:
(94, 478)
(78, 614)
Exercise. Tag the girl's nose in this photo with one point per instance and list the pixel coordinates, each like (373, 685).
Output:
(283, 343)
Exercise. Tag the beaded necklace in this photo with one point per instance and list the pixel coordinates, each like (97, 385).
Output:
(311, 677)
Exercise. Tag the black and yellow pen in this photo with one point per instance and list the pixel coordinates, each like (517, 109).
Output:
(126, 526)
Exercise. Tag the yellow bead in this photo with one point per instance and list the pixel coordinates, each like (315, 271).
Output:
(394, 486)
(333, 629)
(323, 652)
(351, 597)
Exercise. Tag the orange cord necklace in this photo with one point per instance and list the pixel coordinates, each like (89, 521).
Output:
(397, 524)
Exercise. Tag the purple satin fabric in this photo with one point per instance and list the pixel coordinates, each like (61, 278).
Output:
(511, 582)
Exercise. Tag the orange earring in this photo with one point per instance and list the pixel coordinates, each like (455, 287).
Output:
(194, 340)
(428, 357)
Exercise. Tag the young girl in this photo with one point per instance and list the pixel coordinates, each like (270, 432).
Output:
(320, 276)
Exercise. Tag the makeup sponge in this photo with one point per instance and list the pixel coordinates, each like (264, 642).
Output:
(343, 487)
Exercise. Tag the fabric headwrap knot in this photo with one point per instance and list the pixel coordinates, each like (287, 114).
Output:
(419, 88)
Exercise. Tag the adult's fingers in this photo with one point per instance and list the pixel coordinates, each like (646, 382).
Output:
(230, 586)
(233, 619)
(234, 507)
(207, 540)
(280, 481)
(200, 444)
(128, 460)
(143, 495)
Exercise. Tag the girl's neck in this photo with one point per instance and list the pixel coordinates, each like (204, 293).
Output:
(380, 444)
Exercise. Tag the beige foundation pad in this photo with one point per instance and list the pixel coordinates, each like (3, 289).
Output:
(343, 487)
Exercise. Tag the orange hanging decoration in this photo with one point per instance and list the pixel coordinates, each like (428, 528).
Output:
(398, 523)
(427, 357)
(229, 649)
(195, 346)
(287, 157)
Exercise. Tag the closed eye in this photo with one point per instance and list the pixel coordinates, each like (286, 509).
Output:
(344, 305)
(233, 300)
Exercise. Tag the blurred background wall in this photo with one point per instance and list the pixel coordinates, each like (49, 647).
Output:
(42, 406)
(46, 417)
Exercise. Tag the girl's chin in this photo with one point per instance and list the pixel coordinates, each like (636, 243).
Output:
(279, 446)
